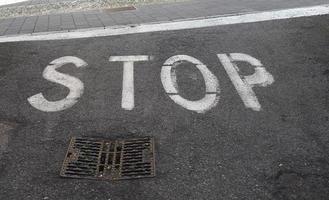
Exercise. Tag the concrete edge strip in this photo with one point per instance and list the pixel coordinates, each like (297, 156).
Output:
(173, 25)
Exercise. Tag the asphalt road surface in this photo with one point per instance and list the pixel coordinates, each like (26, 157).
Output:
(272, 144)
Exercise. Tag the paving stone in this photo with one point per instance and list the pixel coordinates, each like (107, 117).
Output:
(121, 20)
(145, 18)
(67, 22)
(32, 19)
(7, 21)
(67, 27)
(3, 30)
(12, 31)
(15, 26)
(40, 29)
(162, 18)
(93, 20)
(42, 21)
(82, 26)
(174, 16)
(41, 24)
(109, 23)
(102, 15)
(80, 20)
(104, 18)
(29, 25)
(25, 31)
(18, 22)
(54, 28)
(66, 18)
(54, 21)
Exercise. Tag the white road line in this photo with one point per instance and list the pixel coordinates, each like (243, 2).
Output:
(244, 84)
(175, 25)
(75, 85)
(7, 2)
(169, 82)
(128, 89)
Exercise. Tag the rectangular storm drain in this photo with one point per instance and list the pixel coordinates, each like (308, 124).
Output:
(109, 159)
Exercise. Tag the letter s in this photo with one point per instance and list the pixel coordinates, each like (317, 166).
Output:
(75, 86)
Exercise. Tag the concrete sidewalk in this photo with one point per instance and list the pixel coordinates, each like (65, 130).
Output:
(142, 14)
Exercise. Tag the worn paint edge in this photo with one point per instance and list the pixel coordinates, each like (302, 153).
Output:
(173, 25)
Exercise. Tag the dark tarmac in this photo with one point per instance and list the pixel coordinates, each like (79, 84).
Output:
(229, 152)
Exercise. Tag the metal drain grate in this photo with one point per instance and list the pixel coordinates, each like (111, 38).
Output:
(109, 159)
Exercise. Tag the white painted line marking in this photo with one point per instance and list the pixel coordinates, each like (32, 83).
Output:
(169, 82)
(175, 25)
(7, 2)
(128, 91)
(244, 84)
(75, 85)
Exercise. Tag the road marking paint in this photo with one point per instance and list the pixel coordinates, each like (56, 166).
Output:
(175, 25)
(169, 82)
(128, 94)
(8, 2)
(76, 87)
(244, 85)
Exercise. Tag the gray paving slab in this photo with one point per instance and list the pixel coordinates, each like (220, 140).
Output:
(143, 14)
(29, 25)
(145, 18)
(2, 31)
(12, 31)
(5, 24)
(93, 20)
(106, 19)
(7, 21)
(122, 20)
(18, 21)
(54, 21)
(26, 31)
(80, 20)
(67, 22)
(55, 28)
(42, 24)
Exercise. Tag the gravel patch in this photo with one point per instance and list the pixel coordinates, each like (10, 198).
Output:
(55, 7)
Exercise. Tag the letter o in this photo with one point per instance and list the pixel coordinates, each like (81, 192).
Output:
(168, 79)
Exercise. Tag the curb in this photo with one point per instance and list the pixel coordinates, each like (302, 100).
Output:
(172, 25)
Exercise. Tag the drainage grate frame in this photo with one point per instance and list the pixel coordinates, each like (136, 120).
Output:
(94, 158)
